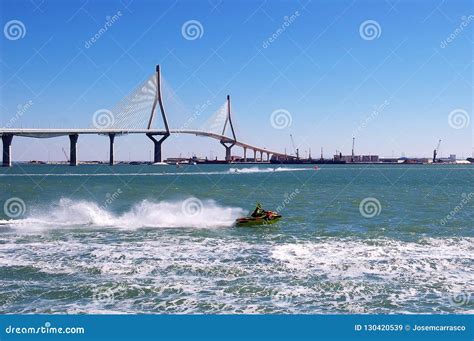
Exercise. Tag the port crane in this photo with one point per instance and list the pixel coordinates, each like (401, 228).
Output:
(436, 151)
(65, 154)
(297, 152)
(353, 144)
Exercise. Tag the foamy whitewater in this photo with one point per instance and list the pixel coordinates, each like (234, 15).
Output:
(78, 241)
(191, 212)
(232, 171)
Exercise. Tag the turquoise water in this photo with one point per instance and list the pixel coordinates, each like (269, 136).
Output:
(160, 239)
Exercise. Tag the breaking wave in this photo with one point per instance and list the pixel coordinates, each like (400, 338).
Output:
(178, 272)
(191, 212)
(248, 170)
(265, 170)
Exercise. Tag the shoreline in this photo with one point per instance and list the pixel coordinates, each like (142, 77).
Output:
(219, 162)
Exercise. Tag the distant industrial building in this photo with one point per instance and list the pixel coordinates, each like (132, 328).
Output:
(357, 158)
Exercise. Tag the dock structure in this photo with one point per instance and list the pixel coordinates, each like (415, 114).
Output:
(157, 136)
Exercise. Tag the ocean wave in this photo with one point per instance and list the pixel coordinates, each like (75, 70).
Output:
(191, 212)
(248, 170)
(198, 274)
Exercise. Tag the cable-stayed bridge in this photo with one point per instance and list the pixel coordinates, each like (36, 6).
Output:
(135, 114)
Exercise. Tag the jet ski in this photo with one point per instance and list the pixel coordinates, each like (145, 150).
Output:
(268, 218)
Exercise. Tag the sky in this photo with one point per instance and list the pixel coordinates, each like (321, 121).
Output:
(396, 75)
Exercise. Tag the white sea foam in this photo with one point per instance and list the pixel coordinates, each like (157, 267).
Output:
(68, 212)
(249, 170)
(384, 257)
(192, 273)
(245, 170)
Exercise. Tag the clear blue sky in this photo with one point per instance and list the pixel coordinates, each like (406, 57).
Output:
(320, 69)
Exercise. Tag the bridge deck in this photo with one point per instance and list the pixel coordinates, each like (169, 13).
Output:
(54, 132)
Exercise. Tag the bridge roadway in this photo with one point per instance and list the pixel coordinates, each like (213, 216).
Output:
(7, 135)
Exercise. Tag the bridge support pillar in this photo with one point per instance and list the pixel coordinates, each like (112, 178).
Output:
(228, 151)
(261, 156)
(73, 149)
(157, 143)
(268, 156)
(111, 149)
(7, 148)
(254, 155)
(245, 154)
(228, 155)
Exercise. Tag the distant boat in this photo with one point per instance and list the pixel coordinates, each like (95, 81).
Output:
(159, 164)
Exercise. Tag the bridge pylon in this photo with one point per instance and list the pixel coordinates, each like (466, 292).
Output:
(158, 101)
(7, 150)
(228, 143)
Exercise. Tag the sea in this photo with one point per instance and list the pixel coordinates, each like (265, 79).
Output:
(155, 239)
